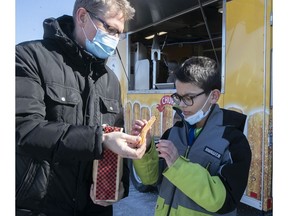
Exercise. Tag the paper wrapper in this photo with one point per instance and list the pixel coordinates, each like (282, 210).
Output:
(107, 174)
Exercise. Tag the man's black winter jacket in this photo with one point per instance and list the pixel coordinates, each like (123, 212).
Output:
(63, 96)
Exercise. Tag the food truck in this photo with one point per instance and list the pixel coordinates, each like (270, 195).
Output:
(238, 35)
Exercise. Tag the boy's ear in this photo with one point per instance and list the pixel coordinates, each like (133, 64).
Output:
(215, 96)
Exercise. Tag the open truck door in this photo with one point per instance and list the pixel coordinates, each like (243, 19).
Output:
(237, 34)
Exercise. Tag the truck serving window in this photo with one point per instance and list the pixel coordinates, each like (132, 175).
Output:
(157, 48)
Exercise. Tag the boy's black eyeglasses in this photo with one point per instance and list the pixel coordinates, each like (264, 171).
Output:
(110, 30)
(188, 100)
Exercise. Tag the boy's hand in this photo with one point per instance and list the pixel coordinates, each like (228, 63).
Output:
(168, 151)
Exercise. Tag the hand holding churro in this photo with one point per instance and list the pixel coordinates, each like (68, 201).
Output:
(141, 128)
(146, 128)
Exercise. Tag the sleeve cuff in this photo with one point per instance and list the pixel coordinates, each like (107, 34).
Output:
(98, 145)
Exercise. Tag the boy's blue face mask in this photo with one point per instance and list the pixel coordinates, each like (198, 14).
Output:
(199, 115)
(103, 45)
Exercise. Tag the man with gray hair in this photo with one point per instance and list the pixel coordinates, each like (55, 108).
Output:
(63, 97)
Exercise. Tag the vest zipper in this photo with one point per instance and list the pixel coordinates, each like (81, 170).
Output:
(187, 151)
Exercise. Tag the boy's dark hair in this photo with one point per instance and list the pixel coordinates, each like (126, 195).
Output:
(202, 72)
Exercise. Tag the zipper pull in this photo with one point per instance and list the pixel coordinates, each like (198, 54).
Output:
(187, 151)
(208, 166)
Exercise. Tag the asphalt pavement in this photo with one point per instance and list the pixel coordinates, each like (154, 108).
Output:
(136, 204)
(142, 204)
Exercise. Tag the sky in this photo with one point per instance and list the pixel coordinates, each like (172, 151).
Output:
(30, 15)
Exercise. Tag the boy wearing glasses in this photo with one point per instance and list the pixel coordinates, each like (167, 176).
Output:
(207, 156)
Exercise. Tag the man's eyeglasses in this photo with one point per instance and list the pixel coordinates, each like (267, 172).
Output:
(188, 100)
(110, 30)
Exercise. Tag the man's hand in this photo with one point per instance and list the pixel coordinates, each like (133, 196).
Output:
(103, 202)
(125, 145)
(137, 128)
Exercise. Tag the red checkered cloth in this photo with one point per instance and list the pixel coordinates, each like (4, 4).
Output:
(107, 173)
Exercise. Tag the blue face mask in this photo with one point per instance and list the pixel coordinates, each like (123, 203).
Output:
(198, 116)
(103, 45)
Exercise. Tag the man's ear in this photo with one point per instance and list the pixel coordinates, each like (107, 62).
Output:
(215, 96)
(81, 17)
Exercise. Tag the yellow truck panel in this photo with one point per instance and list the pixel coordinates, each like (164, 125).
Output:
(245, 50)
